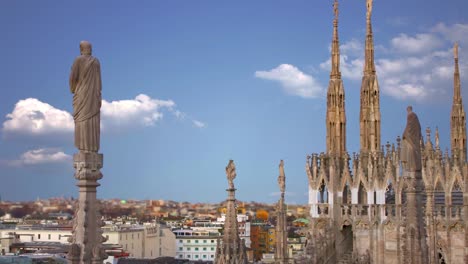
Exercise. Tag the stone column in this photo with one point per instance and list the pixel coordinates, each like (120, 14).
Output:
(87, 236)
(415, 225)
(313, 193)
(465, 209)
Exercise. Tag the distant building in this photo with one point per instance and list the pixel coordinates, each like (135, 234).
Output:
(140, 241)
(263, 237)
(196, 245)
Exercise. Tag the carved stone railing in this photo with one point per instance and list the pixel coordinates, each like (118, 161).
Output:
(371, 211)
(440, 211)
(323, 210)
(449, 212)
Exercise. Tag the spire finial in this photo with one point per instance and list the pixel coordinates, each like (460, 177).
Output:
(455, 51)
(369, 9)
(437, 138)
(335, 9)
(335, 71)
(428, 134)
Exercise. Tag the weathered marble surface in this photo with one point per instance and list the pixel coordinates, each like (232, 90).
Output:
(85, 84)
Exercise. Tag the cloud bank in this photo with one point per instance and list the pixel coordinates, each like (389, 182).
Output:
(41, 156)
(293, 81)
(35, 118)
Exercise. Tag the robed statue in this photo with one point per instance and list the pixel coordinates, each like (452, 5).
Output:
(411, 143)
(231, 173)
(281, 177)
(85, 84)
(369, 9)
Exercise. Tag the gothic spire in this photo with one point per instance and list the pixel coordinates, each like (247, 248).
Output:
(457, 99)
(369, 65)
(336, 115)
(231, 250)
(370, 94)
(335, 71)
(458, 121)
(281, 252)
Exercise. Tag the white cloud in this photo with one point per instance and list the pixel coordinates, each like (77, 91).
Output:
(143, 110)
(198, 124)
(294, 81)
(411, 67)
(351, 60)
(31, 116)
(419, 43)
(352, 47)
(453, 33)
(41, 156)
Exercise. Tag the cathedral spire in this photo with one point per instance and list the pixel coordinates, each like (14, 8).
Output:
(231, 250)
(369, 65)
(370, 94)
(457, 99)
(281, 252)
(458, 121)
(335, 71)
(336, 115)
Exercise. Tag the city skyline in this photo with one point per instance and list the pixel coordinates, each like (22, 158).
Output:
(186, 87)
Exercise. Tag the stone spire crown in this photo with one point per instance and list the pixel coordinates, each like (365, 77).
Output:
(336, 114)
(369, 66)
(281, 252)
(458, 121)
(335, 71)
(231, 250)
(370, 131)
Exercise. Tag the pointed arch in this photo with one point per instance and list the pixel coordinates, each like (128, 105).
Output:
(439, 193)
(362, 194)
(390, 193)
(456, 192)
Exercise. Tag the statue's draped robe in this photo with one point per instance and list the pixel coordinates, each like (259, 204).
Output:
(411, 144)
(85, 84)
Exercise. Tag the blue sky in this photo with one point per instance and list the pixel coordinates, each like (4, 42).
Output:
(189, 85)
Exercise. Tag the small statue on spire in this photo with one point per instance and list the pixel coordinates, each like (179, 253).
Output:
(455, 50)
(369, 9)
(335, 9)
(231, 173)
(281, 177)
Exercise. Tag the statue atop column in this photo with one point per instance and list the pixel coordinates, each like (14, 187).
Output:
(85, 84)
(369, 9)
(335, 9)
(281, 177)
(231, 173)
(410, 145)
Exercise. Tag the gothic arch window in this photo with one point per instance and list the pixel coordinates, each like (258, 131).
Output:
(457, 194)
(346, 194)
(323, 193)
(389, 194)
(439, 194)
(362, 194)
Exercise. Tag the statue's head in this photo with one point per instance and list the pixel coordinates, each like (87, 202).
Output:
(409, 109)
(85, 48)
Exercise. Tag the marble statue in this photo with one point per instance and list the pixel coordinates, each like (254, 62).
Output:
(455, 51)
(369, 9)
(231, 173)
(85, 84)
(281, 177)
(411, 146)
(335, 9)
